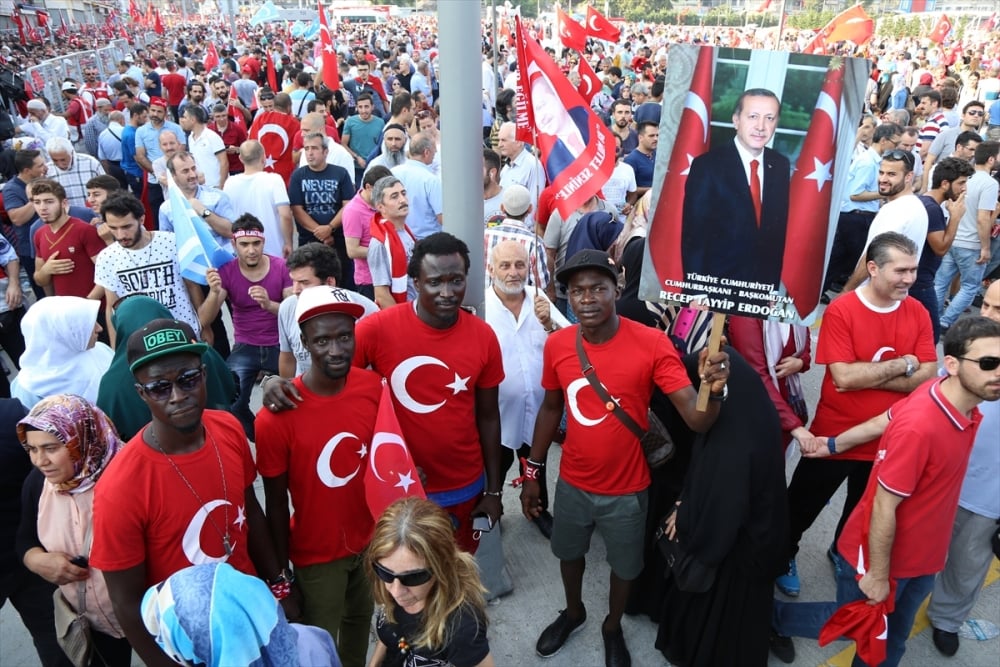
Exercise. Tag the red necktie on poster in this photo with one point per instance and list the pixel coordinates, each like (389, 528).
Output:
(811, 189)
(755, 189)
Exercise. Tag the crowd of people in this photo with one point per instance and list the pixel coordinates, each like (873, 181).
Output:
(133, 392)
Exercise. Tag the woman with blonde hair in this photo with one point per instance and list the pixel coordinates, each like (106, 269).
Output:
(430, 599)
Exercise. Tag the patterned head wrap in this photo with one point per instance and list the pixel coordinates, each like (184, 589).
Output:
(87, 433)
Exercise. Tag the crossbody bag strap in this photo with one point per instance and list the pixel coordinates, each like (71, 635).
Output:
(590, 373)
(81, 587)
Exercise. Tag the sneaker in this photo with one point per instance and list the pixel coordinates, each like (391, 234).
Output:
(781, 647)
(838, 563)
(554, 636)
(946, 642)
(615, 651)
(789, 583)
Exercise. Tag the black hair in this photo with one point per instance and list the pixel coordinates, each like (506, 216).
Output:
(438, 244)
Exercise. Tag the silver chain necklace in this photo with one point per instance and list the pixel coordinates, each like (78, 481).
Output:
(225, 490)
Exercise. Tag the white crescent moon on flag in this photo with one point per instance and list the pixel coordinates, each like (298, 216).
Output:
(571, 391)
(694, 102)
(326, 456)
(378, 440)
(398, 382)
(191, 542)
(274, 128)
(586, 80)
(828, 105)
(591, 24)
(879, 352)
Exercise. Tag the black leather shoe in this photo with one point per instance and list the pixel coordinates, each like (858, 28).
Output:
(544, 523)
(554, 636)
(946, 642)
(782, 647)
(615, 652)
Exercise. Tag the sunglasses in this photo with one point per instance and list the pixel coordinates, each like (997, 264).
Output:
(975, 112)
(898, 155)
(985, 363)
(187, 381)
(408, 579)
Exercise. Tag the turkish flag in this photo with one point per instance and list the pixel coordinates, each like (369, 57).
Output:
(123, 33)
(331, 70)
(275, 131)
(236, 116)
(590, 84)
(272, 74)
(941, 29)
(133, 11)
(16, 17)
(992, 23)
(600, 27)
(852, 24)
(577, 148)
(571, 33)
(41, 18)
(211, 57)
(691, 141)
(158, 23)
(391, 473)
(763, 6)
(809, 202)
(505, 35)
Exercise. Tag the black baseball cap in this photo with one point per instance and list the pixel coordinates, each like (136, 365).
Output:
(588, 259)
(160, 338)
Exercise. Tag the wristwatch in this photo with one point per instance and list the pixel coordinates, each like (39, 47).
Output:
(910, 368)
(207, 212)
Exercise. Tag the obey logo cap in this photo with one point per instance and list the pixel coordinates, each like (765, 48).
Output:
(160, 338)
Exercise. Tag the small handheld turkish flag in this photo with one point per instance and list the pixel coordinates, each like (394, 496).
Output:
(391, 473)
(941, 29)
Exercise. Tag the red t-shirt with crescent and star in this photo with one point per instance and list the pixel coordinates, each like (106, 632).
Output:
(323, 447)
(433, 375)
(600, 454)
(144, 512)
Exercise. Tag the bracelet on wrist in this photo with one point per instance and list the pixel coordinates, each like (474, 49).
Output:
(495, 494)
(531, 472)
(831, 444)
(534, 464)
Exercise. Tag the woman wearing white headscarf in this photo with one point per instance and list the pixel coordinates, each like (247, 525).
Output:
(62, 355)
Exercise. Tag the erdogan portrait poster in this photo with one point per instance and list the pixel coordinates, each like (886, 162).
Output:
(751, 169)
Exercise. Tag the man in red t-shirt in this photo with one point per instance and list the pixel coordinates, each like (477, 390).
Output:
(898, 531)
(174, 87)
(66, 248)
(878, 346)
(321, 463)
(603, 475)
(181, 493)
(444, 368)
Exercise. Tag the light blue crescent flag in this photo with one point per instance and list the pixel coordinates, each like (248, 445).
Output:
(197, 249)
(311, 31)
(266, 14)
(297, 28)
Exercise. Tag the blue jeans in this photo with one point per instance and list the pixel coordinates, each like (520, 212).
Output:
(927, 295)
(247, 361)
(961, 261)
(806, 619)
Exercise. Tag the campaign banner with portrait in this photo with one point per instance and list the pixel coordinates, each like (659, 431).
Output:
(751, 167)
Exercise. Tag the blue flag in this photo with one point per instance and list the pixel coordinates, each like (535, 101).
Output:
(266, 14)
(197, 249)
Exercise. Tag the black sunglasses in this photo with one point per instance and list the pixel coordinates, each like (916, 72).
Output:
(408, 579)
(187, 381)
(898, 155)
(985, 363)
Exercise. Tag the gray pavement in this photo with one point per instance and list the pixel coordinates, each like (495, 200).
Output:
(518, 618)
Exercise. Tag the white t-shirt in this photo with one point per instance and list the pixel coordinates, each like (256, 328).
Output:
(260, 194)
(205, 149)
(905, 215)
(289, 338)
(153, 271)
(618, 187)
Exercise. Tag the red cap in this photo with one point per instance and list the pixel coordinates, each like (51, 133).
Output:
(157, 102)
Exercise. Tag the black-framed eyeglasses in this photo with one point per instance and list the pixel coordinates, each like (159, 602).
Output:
(899, 155)
(408, 579)
(985, 363)
(187, 381)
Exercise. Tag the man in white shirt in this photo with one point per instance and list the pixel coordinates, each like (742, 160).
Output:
(263, 194)
(41, 123)
(522, 166)
(207, 146)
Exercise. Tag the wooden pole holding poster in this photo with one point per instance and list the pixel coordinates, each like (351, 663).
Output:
(714, 343)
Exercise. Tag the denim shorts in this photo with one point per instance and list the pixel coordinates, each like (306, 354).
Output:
(621, 521)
